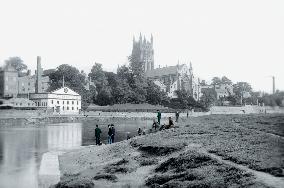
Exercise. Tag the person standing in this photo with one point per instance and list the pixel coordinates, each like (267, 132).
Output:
(98, 135)
(187, 114)
(177, 116)
(109, 139)
(112, 133)
(159, 115)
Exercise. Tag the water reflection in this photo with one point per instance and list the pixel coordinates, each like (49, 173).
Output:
(22, 148)
(64, 136)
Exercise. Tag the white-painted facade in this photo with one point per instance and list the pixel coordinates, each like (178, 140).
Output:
(63, 101)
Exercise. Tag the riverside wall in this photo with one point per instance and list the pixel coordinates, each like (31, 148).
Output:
(247, 109)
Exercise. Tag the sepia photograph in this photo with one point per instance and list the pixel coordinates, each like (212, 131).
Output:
(141, 94)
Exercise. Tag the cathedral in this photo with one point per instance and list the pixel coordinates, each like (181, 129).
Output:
(144, 52)
(169, 78)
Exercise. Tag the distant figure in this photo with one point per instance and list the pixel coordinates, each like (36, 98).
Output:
(170, 123)
(155, 125)
(113, 133)
(139, 131)
(159, 115)
(109, 139)
(177, 116)
(98, 135)
(187, 114)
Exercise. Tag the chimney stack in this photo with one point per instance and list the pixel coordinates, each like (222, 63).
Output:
(38, 86)
(273, 85)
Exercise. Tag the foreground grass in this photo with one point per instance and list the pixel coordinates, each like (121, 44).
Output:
(182, 157)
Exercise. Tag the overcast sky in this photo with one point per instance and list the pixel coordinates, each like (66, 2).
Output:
(242, 39)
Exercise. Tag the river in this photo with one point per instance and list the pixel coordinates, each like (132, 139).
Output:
(22, 147)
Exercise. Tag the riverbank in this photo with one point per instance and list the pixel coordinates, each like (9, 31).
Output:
(206, 151)
(37, 117)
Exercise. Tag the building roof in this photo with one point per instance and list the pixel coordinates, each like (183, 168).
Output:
(65, 91)
(162, 71)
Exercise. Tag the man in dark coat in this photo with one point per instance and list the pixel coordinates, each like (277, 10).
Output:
(98, 135)
(113, 133)
(159, 115)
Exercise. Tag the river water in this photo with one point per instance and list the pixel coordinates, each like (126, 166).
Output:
(22, 147)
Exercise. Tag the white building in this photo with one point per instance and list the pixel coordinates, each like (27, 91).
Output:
(63, 101)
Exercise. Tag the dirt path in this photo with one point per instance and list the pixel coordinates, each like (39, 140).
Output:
(267, 179)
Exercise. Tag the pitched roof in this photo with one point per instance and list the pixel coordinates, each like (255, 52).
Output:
(162, 71)
(65, 91)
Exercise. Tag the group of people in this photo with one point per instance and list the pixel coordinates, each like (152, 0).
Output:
(111, 134)
(155, 126)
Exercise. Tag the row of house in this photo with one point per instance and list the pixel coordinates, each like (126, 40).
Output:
(30, 91)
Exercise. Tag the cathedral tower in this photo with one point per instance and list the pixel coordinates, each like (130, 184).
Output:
(143, 52)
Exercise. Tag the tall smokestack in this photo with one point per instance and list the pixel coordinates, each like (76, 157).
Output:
(38, 86)
(273, 84)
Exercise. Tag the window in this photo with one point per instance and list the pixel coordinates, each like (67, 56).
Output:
(63, 108)
(57, 102)
(67, 107)
(51, 101)
(20, 104)
(72, 102)
(77, 108)
(67, 102)
(72, 108)
(28, 104)
(77, 103)
(62, 102)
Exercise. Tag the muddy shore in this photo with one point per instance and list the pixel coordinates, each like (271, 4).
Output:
(206, 151)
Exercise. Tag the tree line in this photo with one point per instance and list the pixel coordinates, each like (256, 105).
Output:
(129, 85)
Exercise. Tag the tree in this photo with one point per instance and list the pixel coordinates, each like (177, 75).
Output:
(216, 81)
(225, 80)
(241, 88)
(208, 97)
(73, 79)
(98, 76)
(155, 95)
(104, 97)
(136, 66)
(17, 63)
(122, 93)
(112, 79)
(184, 101)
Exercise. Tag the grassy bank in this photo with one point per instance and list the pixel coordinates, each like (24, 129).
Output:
(207, 151)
